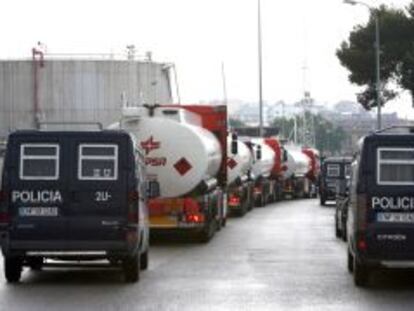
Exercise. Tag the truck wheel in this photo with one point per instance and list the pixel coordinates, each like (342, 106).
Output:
(361, 273)
(131, 267)
(350, 261)
(207, 233)
(13, 269)
(260, 201)
(323, 200)
(337, 231)
(243, 209)
(344, 233)
(35, 263)
(144, 260)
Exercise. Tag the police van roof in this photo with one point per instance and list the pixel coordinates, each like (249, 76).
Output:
(89, 134)
(338, 159)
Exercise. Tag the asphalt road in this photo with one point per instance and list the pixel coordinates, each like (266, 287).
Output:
(281, 257)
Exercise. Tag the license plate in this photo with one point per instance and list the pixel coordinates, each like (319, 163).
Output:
(38, 211)
(396, 217)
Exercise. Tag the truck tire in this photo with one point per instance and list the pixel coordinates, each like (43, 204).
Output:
(243, 208)
(338, 232)
(350, 261)
(344, 233)
(144, 260)
(208, 231)
(13, 269)
(323, 200)
(131, 267)
(361, 273)
(260, 201)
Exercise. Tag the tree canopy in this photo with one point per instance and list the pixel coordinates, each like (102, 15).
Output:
(397, 54)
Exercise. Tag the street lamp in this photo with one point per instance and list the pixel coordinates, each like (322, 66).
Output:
(377, 56)
(259, 52)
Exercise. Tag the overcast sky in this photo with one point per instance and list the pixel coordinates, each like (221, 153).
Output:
(198, 35)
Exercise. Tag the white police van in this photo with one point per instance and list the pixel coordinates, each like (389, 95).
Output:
(73, 196)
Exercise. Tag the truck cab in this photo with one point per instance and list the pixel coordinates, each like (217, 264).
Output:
(381, 212)
(333, 177)
(73, 196)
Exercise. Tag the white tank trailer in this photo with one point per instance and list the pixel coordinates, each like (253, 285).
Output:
(179, 153)
(33, 91)
(298, 164)
(262, 167)
(239, 164)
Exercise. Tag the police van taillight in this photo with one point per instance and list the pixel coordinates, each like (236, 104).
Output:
(133, 198)
(362, 211)
(4, 218)
(362, 215)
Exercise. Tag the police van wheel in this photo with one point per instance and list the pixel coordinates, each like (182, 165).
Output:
(131, 267)
(13, 269)
(144, 260)
(350, 262)
(361, 274)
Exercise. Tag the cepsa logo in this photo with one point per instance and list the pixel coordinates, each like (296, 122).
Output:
(149, 145)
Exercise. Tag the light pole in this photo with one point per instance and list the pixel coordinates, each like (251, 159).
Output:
(377, 57)
(259, 47)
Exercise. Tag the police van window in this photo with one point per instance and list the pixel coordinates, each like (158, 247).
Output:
(333, 170)
(98, 162)
(395, 166)
(39, 162)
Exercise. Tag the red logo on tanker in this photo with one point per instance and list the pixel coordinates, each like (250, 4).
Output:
(150, 144)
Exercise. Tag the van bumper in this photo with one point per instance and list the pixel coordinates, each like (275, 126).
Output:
(86, 249)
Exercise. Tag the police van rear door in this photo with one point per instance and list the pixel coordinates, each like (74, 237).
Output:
(37, 184)
(391, 199)
(98, 189)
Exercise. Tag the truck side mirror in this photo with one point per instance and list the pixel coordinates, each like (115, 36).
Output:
(234, 146)
(259, 152)
(153, 189)
(285, 155)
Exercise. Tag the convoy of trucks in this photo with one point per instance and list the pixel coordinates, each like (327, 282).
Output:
(202, 172)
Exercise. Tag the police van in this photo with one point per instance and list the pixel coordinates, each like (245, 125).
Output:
(381, 211)
(69, 196)
(334, 170)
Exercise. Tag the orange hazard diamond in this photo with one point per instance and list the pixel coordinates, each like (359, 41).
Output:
(231, 163)
(183, 166)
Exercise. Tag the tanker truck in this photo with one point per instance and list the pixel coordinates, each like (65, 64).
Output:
(314, 174)
(239, 183)
(266, 170)
(185, 150)
(301, 172)
(297, 166)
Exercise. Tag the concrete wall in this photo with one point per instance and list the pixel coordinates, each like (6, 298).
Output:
(77, 90)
